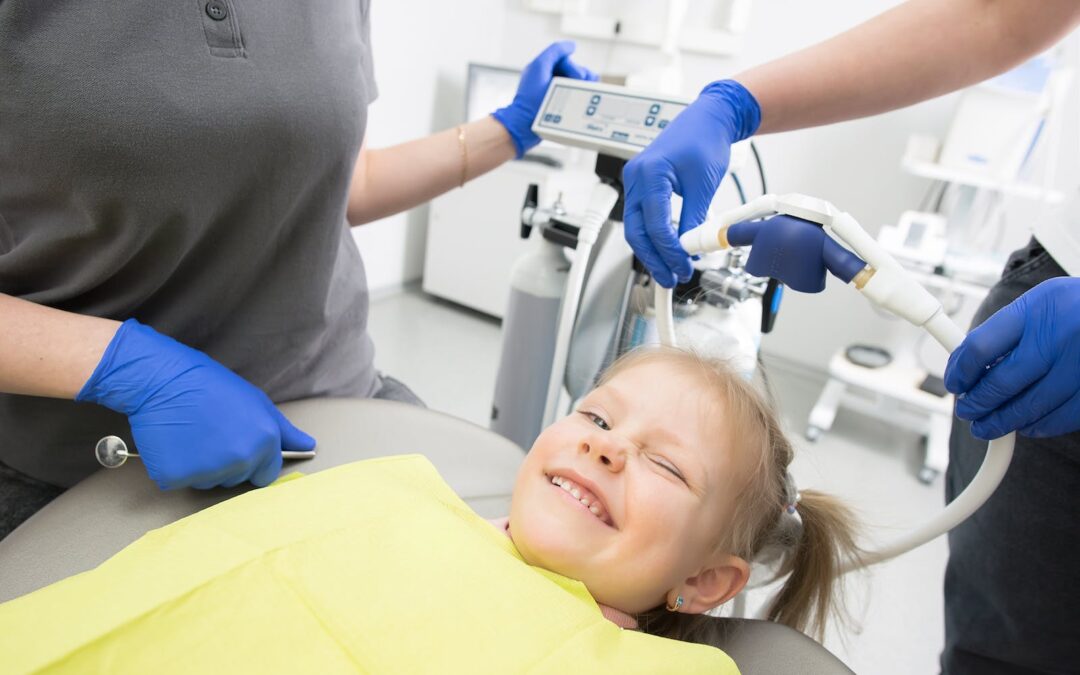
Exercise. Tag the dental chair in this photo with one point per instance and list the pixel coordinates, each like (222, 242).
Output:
(112, 508)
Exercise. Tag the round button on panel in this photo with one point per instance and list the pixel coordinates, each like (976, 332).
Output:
(216, 10)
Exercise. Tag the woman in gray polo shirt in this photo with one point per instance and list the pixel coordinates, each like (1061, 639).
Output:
(188, 169)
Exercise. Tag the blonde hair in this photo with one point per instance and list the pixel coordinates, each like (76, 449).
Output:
(809, 556)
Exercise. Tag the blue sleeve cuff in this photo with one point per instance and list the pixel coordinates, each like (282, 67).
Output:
(746, 112)
(512, 118)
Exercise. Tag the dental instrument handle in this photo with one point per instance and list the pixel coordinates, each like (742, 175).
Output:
(601, 202)
(112, 452)
(298, 454)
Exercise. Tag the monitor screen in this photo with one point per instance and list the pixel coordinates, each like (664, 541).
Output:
(489, 88)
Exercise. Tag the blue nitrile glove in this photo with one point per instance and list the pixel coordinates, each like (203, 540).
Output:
(688, 158)
(195, 422)
(519, 115)
(1020, 370)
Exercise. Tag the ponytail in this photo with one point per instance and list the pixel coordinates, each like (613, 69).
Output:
(806, 599)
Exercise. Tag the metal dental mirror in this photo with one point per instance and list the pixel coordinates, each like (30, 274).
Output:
(112, 452)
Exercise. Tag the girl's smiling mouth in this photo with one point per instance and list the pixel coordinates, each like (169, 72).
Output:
(582, 496)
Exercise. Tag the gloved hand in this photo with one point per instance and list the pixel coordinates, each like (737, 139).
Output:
(194, 421)
(519, 115)
(1020, 370)
(688, 158)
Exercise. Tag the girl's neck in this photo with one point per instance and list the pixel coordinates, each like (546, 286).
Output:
(615, 616)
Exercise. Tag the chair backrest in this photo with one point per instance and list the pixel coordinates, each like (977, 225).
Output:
(109, 510)
(767, 648)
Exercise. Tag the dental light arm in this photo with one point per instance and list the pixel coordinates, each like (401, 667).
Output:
(794, 246)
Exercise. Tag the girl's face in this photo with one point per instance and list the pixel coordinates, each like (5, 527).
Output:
(630, 493)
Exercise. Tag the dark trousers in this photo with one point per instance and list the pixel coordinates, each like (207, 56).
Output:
(1012, 594)
(22, 496)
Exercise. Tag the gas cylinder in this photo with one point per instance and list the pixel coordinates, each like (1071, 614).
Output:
(537, 284)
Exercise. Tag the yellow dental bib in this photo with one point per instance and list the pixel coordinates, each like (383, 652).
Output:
(372, 567)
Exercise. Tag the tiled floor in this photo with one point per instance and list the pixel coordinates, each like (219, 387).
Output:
(449, 356)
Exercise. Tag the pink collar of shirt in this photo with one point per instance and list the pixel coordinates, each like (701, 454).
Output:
(615, 616)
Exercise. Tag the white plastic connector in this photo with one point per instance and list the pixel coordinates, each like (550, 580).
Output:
(703, 239)
(808, 208)
(897, 292)
(890, 287)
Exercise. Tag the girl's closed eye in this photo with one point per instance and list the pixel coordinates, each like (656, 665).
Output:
(669, 467)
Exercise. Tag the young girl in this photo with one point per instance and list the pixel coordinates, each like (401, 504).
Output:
(661, 490)
(629, 519)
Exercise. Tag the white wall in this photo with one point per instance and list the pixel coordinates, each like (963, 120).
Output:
(421, 51)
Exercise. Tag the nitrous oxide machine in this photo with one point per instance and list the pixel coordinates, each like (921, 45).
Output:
(579, 298)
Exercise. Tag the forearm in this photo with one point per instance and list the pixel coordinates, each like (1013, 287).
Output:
(916, 51)
(391, 180)
(47, 352)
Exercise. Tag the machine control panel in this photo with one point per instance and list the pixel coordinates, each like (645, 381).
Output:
(607, 118)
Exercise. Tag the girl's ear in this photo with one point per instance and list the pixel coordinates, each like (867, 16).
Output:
(714, 585)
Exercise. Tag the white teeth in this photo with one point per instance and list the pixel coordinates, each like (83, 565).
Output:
(594, 506)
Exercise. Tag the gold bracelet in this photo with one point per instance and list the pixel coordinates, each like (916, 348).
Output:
(464, 155)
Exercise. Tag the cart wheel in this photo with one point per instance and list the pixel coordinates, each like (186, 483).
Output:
(928, 475)
(813, 433)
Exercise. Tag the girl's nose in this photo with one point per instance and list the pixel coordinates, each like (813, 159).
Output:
(605, 449)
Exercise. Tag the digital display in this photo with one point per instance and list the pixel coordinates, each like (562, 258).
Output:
(622, 118)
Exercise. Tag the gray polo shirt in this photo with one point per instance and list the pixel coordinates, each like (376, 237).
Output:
(185, 163)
